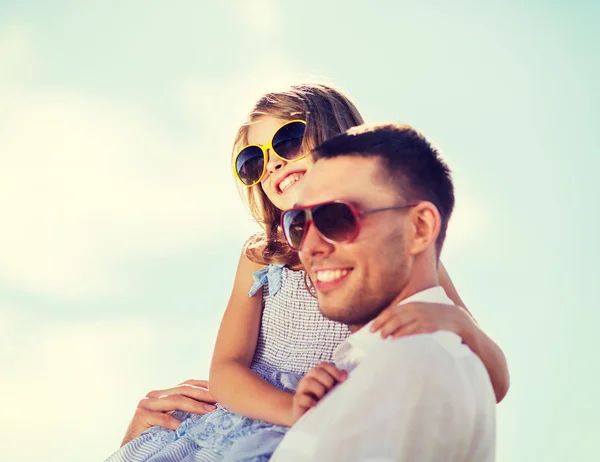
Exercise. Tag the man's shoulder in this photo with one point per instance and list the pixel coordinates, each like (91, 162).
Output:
(440, 343)
(433, 353)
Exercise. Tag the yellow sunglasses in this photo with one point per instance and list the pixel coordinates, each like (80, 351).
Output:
(250, 164)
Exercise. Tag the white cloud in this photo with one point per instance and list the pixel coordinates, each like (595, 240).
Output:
(224, 104)
(262, 17)
(16, 51)
(73, 386)
(16, 61)
(87, 184)
(469, 221)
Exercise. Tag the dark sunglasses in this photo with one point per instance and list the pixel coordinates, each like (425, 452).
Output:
(250, 164)
(336, 221)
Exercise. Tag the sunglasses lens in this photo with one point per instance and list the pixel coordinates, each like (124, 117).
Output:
(249, 165)
(287, 141)
(294, 223)
(335, 221)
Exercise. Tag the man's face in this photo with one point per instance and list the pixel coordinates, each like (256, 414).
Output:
(369, 272)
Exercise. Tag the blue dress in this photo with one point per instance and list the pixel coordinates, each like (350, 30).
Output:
(293, 338)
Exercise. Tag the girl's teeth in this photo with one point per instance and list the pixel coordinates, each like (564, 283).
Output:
(330, 275)
(289, 181)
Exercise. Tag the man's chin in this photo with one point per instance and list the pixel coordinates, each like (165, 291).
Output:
(340, 310)
(335, 315)
(332, 309)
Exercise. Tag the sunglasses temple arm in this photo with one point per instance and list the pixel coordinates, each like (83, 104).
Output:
(383, 209)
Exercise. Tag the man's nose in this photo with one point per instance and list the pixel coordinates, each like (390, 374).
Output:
(314, 244)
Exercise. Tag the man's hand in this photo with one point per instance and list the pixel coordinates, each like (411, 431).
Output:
(313, 386)
(420, 318)
(156, 408)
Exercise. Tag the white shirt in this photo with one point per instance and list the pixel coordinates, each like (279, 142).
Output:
(421, 398)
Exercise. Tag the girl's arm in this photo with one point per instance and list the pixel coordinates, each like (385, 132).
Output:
(232, 383)
(478, 341)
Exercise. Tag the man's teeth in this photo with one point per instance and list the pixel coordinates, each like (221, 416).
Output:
(289, 181)
(330, 275)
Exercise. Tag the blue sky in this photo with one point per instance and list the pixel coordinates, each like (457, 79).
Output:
(121, 223)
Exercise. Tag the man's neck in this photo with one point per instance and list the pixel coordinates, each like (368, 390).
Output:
(414, 287)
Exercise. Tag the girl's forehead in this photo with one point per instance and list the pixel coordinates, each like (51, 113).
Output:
(261, 131)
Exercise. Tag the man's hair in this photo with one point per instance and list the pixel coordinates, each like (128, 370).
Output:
(413, 165)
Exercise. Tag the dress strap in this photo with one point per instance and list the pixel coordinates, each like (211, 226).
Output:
(271, 274)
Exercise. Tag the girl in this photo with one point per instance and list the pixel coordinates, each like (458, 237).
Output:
(273, 334)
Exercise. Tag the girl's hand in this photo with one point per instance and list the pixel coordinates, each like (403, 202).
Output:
(313, 386)
(420, 318)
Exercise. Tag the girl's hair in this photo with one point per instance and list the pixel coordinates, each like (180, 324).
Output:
(327, 112)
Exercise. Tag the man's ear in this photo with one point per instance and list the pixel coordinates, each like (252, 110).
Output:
(425, 223)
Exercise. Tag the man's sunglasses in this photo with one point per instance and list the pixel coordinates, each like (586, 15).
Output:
(336, 221)
(250, 164)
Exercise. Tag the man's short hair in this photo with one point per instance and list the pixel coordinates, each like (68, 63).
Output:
(412, 164)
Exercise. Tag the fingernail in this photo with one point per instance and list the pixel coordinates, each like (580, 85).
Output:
(209, 407)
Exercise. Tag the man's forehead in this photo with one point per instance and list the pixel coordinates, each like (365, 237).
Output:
(345, 177)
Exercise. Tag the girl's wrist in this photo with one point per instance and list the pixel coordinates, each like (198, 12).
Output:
(467, 329)
(291, 420)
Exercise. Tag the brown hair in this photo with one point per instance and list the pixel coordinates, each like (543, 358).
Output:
(327, 112)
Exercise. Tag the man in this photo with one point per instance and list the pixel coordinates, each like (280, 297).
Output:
(421, 398)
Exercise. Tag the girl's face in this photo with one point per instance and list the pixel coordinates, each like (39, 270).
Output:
(282, 179)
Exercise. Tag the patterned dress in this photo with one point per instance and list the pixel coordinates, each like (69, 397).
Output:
(293, 338)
